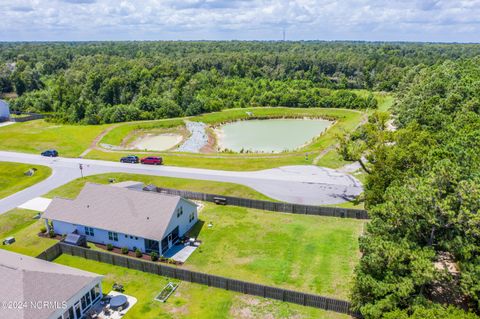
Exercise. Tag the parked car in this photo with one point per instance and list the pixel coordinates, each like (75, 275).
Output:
(50, 153)
(130, 159)
(152, 160)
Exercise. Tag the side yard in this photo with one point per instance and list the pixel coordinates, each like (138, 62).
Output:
(71, 189)
(13, 179)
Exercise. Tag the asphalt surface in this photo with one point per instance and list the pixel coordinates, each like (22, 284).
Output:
(294, 184)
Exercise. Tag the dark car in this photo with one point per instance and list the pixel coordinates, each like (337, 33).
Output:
(129, 159)
(50, 153)
(152, 160)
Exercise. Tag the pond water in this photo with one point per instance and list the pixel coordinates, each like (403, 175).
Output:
(268, 136)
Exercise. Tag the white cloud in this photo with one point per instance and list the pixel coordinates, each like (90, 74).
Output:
(424, 20)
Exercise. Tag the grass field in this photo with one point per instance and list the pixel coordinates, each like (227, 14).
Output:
(71, 189)
(12, 178)
(306, 253)
(37, 136)
(20, 224)
(190, 300)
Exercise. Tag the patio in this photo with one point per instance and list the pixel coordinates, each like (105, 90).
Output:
(180, 252)
(105, 308)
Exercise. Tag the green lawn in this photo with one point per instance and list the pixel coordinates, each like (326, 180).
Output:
(332, 160)
(306, 253)
(189, 300)
(20, 224)
(12, 178)
(71, 189)
(37, 136)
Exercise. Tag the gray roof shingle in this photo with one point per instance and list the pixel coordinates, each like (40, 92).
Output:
(27, 279)
(122, 210)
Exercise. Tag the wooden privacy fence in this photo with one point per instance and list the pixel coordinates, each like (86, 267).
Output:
(244, 287)
(267, 205)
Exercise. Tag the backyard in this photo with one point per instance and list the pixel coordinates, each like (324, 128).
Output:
(13, 179)
(299, 252)
(190, 300)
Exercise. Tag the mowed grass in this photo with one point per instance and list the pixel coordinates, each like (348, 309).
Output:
(220, 162)
(190, 300)
(332, 159)
(37, 136)
(305, 253)
(13, 179)
(71, 190)
(20, 224)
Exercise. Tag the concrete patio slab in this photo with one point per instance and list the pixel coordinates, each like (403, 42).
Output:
(38, 204)
(180, 252)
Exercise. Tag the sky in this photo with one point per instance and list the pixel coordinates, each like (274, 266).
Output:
(368, 20)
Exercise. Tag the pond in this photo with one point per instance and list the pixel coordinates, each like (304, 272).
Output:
(275, 135)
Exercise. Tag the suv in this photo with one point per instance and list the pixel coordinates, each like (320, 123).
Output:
(50, 153)
(129, 159)
(153, 160)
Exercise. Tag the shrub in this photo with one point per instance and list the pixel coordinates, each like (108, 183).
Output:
(51, 233)
(109, 247)
(43, 229)
(154, 256)
(138, 253)
(124, 250)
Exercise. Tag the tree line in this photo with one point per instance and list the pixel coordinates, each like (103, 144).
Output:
(103, 82)
(421, 250)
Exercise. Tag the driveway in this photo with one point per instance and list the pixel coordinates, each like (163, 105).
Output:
(294, 184)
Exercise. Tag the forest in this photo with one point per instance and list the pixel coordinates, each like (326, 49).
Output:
(420, 252)
(105, 82)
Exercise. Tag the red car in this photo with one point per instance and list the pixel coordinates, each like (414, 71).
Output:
(152, 160)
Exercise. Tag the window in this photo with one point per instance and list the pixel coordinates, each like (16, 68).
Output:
(136, 238)
(69, 314)
(126, 236)
(89, 299)
(191, 218)
(179, 211)
(89, 231)
(84, 303)
(112, 236)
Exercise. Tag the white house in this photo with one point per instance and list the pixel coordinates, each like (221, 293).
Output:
(123, 217)
(34, 288)
(4, 110)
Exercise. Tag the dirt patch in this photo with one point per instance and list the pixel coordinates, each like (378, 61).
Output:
(211, 146)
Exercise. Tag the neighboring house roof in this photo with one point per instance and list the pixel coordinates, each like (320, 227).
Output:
(122, 210)
(27, 279)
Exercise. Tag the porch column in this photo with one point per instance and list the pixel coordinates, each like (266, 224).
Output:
(47, 225)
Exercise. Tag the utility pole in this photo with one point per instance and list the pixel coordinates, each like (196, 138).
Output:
(284, 37)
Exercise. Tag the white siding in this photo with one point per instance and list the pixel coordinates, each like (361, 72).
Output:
(100, 236)
(78, 296)
(182, 222)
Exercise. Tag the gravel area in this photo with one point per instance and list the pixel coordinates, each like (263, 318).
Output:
(197, 139)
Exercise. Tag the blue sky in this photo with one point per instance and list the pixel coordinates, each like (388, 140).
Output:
(371, 20)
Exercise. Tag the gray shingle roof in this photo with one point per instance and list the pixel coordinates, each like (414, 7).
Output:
(27, 279)
(126, 211)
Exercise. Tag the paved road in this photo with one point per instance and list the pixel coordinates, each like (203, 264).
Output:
(295, 184)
